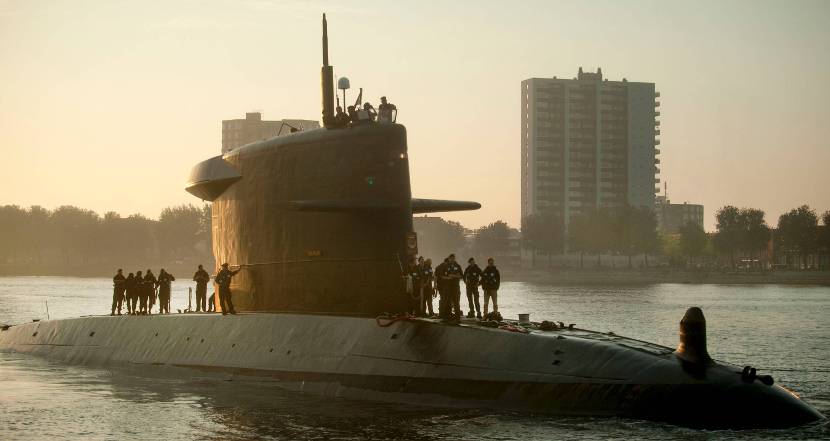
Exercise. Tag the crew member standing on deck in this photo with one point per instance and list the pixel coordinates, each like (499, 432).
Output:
(490, 281)
(441, 287)
(415, 279)
(223, 279)
(141, 292)
(150, 283)
(129, 291)
(164, 281)
(472, 278)
(201, 278)
(427, 290)
(118, 289)
(453, 275)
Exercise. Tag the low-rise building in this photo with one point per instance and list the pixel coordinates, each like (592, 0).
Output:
(671, 217)
(238, 132)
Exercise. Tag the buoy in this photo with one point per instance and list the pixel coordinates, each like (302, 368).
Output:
(692, 346)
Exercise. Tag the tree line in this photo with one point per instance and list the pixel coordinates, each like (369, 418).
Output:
(69, 236)
(744, 233)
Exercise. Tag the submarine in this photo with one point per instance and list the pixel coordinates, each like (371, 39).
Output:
(319, 224)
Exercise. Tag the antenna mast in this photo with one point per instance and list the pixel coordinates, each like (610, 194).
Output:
(327, 79)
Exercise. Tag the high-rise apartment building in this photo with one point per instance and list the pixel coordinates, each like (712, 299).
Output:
(586, 143)
(238, 132)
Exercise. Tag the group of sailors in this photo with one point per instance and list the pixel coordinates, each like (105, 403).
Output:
(139, 292)
(444, 282)
(386, 113)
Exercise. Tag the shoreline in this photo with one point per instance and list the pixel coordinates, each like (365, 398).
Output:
(588, 277)
(556, 276)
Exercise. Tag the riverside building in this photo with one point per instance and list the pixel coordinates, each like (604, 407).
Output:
(588, 142)
(238, 132)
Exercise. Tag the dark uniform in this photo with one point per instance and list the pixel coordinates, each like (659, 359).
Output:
(118, 289)
(129, 285)
(415, 277)
(141, 294)
(453, 274)
(441, 286)
(150, 282)
(472, 278)
(427, 292)
(223, 279)
(201, 278)
(490, 281)
(164, 281)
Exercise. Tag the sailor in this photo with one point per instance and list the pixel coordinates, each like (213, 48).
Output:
(415, 278)
(201, 278)
(427, 291)
(340, 117)
(223, 279)
(352, 114)
(150, 284)
(164, 281)
(472, 278)
(368, 113)
(455, 273)
(118, 288)
(129, 288)
(441, 287)
(385, 111)
(490, 280)
(141, 292)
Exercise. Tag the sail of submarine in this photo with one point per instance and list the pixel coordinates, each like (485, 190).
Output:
(320, 223)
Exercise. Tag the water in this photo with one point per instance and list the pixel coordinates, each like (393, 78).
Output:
(783, 330)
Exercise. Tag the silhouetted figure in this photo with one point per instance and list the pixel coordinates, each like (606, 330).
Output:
(130, 291)
(201, 278)
(150, 283)
(341, 118)
(427, 290)
(452, 275)
(415, 278)
(164, 281)
(490, 281)
(387, 112)
(352, 114)
(441, 286)
(223, 279)
(212, 301)
(367, 114)
(141, 291)
(118, 289)
(472, 278)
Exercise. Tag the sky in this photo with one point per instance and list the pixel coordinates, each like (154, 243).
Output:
(106, 105)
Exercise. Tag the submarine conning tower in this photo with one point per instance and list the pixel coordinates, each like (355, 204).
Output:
(318, 221)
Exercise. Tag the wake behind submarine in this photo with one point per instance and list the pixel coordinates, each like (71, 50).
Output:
(320, 223)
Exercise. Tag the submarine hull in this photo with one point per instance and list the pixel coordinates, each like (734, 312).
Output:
(421, 361)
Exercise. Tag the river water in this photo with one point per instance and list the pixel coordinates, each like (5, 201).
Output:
(785, 331)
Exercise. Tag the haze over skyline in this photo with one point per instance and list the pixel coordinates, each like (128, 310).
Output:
(107, 105)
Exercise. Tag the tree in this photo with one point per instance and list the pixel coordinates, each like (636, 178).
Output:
(543, 233)
(178, 229)
(798, 229)
(728, 238)
(635, 231)
(492, 240)
(756, 233)
(824, 232)
(438, 237)
(693, 240)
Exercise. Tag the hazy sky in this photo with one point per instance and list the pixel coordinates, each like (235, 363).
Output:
(107, 104)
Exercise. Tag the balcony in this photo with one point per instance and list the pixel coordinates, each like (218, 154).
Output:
(656, 123)
(656, 142)
(656, 180)
(656, 160)
(657, 94)
(656, 152)
(657, 132)
(657, 104)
